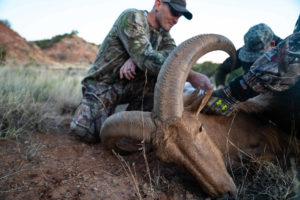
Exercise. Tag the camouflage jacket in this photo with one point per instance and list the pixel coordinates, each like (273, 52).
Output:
(278, 69)
(133, 37)
(297, 26)
(226, 67)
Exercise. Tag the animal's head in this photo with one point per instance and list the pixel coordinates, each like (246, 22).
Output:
(177, 134)
(184, 141)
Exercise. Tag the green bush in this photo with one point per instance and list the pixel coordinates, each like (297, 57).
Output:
(6, 22)
(2, 54)
(208, 68)
(45, 44)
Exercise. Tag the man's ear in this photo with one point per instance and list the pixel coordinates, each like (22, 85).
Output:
(157, 5)
(273, 44)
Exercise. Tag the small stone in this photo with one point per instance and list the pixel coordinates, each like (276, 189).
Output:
(81, 191)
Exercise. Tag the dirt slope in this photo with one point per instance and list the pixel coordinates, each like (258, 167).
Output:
(19, 51)
(73, 50)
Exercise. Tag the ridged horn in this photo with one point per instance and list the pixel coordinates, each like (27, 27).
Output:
(130, 124)
(168, 93)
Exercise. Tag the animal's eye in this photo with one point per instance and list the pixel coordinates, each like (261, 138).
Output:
(201, 127)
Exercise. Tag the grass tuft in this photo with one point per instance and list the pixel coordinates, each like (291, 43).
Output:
(29, 96)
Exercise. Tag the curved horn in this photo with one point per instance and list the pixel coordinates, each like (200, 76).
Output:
(134, 124)
(168, 93)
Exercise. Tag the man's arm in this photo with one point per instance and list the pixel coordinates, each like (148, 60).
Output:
(277, 70)
(167, 44)
(199, 81)
(133, 34)
(221, 72)
(225, 68)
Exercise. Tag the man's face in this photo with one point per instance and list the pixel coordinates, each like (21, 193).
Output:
(166, 16)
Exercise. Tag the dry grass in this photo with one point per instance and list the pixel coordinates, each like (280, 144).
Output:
(32, 96)
(266, 180)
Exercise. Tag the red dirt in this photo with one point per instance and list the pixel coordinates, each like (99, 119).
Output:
(59, 166)
(68, 51)
(19, 51)
(73, 50)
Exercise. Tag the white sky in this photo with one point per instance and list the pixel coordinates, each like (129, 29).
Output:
(42, 19)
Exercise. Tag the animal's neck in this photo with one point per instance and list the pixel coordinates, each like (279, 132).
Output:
(243, 134)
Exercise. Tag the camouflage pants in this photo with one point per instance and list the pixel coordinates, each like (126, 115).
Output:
(100, 100)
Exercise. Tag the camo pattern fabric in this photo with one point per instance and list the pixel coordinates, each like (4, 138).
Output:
(297, 26)
(278, 69)
(130, 37)
(98, 102)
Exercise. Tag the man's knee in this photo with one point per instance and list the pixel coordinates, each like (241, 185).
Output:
(83, 125)
(99, 101)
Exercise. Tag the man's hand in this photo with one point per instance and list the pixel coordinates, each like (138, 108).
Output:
(199, 81)
(128, 70)
(220, 86)
(221, 102)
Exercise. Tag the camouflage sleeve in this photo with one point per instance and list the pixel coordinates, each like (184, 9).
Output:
(224, 69)
(297, 25)
(133, 34)
(278, 69)
(167, 44)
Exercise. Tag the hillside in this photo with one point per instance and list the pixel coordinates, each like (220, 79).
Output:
(65, 50)
(72, 49)
(16, 50)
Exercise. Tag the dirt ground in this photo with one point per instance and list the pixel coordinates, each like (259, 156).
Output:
(53, 164)
(59, 166)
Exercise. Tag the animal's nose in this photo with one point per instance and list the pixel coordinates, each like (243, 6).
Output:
(228, 196)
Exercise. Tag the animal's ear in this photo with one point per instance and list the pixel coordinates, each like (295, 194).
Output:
(204, 101)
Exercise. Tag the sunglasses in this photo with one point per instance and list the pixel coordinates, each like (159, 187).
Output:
(174, 13)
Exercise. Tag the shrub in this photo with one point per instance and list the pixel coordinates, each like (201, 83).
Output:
(209, 69)
(6, 22)
(2, 54)
(45, 44)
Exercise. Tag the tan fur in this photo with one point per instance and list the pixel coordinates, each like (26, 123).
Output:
(198, 142)
(242, 135)
(183, 142)
(257, 104)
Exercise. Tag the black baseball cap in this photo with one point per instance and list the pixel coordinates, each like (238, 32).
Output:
(180, 6)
